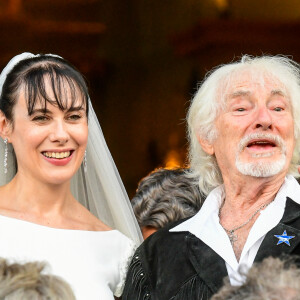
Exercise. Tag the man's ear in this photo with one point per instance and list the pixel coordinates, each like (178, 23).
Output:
(5, 126)
(206, 146)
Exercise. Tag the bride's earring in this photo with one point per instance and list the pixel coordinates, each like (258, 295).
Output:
(85, 162)
(5, 155)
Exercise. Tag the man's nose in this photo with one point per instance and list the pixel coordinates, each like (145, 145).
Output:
(263, 119)
(59, 132)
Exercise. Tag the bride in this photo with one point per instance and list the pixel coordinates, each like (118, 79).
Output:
(53, 152)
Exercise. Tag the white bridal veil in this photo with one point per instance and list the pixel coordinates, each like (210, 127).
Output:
(100, 188)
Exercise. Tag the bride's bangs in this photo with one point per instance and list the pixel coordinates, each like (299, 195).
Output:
(64, 92)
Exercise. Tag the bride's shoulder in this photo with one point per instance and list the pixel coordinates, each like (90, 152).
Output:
(98, 225)
(88, 221)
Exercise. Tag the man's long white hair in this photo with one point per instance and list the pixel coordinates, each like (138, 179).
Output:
(209, 100)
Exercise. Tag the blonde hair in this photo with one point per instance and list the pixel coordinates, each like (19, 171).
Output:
(29, 282)
(209, 100)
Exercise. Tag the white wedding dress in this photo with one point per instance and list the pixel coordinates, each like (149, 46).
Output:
(94, 263)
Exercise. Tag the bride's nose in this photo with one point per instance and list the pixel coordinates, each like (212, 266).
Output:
(59, 132)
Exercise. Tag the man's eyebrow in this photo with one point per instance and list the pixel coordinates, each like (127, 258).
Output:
(239, 93)
(278, 92)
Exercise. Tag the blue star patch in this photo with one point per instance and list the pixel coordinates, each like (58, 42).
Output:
(284, 238)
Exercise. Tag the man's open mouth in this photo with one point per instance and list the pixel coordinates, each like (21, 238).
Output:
(262, 144)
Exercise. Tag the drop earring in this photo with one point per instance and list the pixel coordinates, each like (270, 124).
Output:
(5, 155)
(85, 162)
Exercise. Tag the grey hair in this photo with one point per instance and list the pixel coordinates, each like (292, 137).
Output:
(165, 196)
(29, 282)
(272, 279)
(209, 101)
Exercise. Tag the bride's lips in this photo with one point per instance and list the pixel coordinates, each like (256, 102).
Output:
(58, 158)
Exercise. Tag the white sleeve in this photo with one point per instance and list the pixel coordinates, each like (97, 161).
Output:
(123, 266)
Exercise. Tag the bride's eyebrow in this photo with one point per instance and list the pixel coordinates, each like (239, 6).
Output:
(75, 108)
(40, 110)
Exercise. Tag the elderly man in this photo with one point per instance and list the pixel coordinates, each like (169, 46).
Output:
(244, 126)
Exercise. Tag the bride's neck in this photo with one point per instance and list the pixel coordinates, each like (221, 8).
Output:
(37, 196)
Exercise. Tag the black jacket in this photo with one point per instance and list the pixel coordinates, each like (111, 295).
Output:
(179, 266)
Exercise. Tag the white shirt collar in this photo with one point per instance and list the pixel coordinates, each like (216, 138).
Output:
(212, 203)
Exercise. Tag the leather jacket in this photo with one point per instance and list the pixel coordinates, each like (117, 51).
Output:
(179, 266)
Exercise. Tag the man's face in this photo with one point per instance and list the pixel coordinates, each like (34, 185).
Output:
(255, 130)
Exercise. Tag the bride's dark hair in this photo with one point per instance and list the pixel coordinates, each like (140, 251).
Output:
(32, 73)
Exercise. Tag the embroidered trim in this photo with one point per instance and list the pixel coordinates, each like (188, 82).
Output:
(136, 283)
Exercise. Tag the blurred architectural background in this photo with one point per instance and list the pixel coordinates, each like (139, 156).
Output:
(143, 59)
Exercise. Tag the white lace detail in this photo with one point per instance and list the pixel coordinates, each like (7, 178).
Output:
(124, 268)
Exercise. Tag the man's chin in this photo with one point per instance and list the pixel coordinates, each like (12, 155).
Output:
(261, 168)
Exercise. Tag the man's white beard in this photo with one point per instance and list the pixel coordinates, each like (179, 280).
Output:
(261, 168)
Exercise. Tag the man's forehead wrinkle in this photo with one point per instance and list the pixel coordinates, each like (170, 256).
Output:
(251, 84)
(237, 84)
(273, 92)
(245, 82)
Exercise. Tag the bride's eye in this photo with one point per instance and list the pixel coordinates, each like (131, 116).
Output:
(74, 117)
(40, 118)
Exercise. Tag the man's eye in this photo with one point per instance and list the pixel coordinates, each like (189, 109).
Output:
(278, 109)
(240, 109)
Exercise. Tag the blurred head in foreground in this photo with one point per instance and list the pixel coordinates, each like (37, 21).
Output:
(272, 279)
(29, 281)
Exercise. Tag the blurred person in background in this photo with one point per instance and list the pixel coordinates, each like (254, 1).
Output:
(165, 196)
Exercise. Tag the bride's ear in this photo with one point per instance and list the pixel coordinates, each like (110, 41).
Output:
(5, 126)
